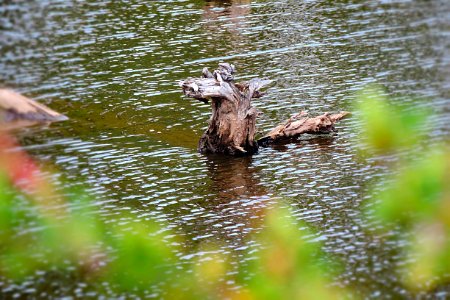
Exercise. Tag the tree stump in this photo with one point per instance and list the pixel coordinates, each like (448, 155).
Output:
(232, 127)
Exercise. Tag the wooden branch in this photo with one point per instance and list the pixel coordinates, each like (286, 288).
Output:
(220, 84)
(300, 124)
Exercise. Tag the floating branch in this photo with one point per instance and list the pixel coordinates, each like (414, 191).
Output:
(300, 124)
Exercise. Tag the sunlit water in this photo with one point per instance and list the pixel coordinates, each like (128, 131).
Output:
(112, 67)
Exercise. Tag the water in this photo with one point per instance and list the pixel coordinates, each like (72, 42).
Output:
(112, 67)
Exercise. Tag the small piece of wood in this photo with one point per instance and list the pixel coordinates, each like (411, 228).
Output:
(232, 126)
(19, 110)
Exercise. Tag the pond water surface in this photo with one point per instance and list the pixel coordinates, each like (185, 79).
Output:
(112, 67)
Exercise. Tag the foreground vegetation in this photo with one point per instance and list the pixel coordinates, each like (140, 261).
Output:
(136, 258)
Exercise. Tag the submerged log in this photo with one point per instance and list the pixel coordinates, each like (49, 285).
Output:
(17, 111)
(232, 127)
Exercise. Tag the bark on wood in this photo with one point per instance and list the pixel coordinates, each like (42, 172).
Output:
(232, 126)
(19, 110)
(300, 124)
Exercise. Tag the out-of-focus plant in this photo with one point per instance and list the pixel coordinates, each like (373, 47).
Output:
(59, 237)
(288, 265)
(416, 197)
(134, 257)
(137, 258)
(388, 128)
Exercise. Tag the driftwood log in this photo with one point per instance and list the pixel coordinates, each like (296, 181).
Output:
(17, 110)
(232, 127)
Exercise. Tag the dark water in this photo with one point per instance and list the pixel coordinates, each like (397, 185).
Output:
(112, 67)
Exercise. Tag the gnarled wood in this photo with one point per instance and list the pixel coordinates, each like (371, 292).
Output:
(300, 124)
(232, 126)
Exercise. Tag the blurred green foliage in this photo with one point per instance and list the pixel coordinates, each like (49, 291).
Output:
(416, 196)
(138, 258)
(387, 127)
(288, 267)
(419, 192)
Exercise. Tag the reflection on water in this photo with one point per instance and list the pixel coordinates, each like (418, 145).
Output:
(233, 178)
(231, 11)
(236, 192)
(322, 142)
(112, 67)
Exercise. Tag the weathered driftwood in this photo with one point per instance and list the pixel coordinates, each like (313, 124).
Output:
(17, 110)
(232, 126)
(300, 124)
